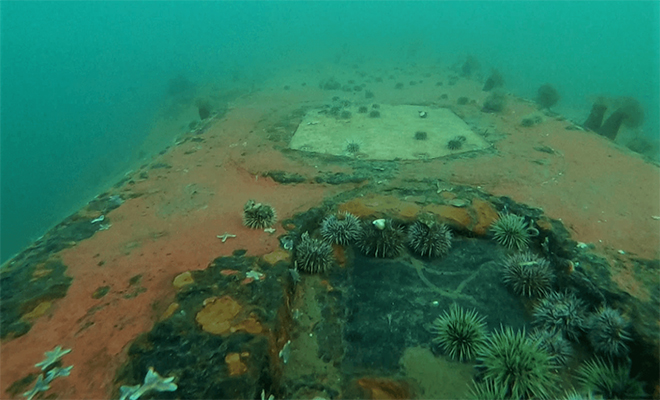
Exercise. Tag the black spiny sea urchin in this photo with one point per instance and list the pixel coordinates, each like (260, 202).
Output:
(381, 238)
(258, 215)
(343, 228)
(421, 135)
(461, 333)
(528, 274)
(313, 255)
(352, 147)
(456, 143)
(428, 237)
(608, 333)
(512, 360)
(512, 231)
(562, 313)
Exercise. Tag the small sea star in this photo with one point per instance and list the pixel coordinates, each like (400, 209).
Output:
(127, 391)
(52, 357)
(152, 381)
(256, 275)
(57, 372)
(225, 236)
(40, 386)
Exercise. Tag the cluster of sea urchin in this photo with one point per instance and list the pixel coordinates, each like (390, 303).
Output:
(512, 231)
(258, 215)
(528, 274)
(608, 333)
(561, 313)
(517, 365)
(381, 238)
(461, 333)
(343, 228)
(313, 255)
(428, 237)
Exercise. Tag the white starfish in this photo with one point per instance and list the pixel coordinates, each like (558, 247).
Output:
(152, 381)
(52, 357)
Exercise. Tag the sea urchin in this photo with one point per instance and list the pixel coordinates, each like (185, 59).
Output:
(512, 360)
(512, 231)
(608, 332)
(561, 313)
(258, 215)
(352, 147)
(342, 229)
(610, 382)
(461, 333)
(313, 255)
(381, 238)
(428, 237)
(456, 143)
(528, 274)
(556, 344)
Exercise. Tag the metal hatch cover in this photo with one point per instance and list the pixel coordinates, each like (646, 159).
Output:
(389, 136)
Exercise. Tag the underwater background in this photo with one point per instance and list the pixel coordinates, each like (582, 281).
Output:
(87, 87)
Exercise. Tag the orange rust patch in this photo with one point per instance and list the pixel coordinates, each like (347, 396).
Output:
(384, 389)
(340, 254)
(170, 310)
(276, 256)
(372, 204)
(625, 278)
(235, 365)
(288, 225)
(327, 285)
(356, 207)
(249, 325)
(448, 195)
(247, 281)
(380, 205)
(217, 314)
(409, 211)
(183, 280)
(229, 272)
(39, 310)
(456, 216)
(485, 214)
(544, 223)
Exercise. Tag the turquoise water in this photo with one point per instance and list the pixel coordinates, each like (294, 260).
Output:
(82, 82)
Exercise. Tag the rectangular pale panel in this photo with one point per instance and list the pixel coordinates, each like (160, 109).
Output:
(387, 137)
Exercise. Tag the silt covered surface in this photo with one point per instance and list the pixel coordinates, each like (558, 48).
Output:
(388, 136)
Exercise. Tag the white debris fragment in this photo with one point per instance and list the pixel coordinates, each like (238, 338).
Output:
(285, 353)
